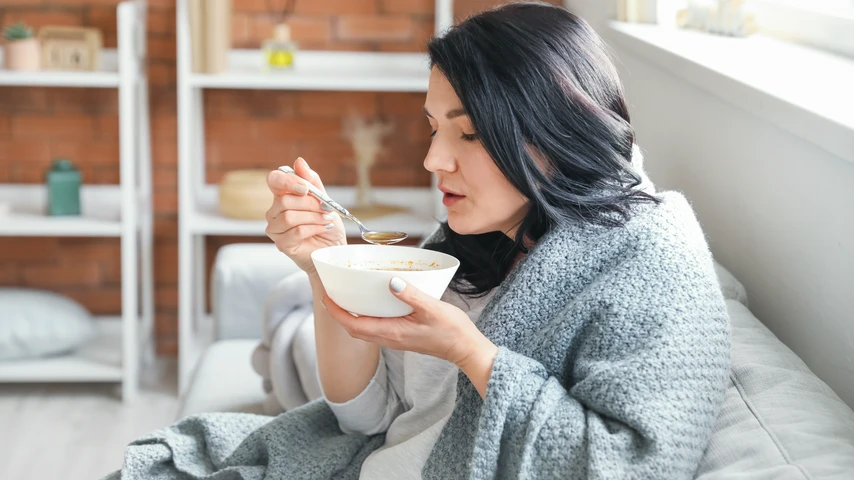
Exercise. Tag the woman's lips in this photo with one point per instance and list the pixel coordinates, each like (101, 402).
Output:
(451, 198)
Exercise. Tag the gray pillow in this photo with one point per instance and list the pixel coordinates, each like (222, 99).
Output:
(36, 323)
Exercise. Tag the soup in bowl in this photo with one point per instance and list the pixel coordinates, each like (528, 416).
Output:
(356, 277)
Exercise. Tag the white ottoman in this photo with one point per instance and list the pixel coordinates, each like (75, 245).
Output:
(243, 274)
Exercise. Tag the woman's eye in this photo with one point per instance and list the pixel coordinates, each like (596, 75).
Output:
(469, 137)
(433, 133)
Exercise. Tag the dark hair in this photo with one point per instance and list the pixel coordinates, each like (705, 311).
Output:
(546, 102)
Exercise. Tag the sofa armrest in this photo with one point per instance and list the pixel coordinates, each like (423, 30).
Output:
(224, 382)
(243, 274)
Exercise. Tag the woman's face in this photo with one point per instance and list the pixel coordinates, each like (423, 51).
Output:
(478, 197)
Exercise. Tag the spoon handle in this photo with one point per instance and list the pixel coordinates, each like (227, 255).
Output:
(320, 195)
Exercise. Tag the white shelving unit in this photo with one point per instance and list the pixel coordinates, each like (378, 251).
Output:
(123, 211)
(100, 207)
(314, 70)
(324, 70)
(207, 220)
(106, 77)
(98, 361)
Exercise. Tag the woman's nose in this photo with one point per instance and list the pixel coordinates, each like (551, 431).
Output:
(439, 159)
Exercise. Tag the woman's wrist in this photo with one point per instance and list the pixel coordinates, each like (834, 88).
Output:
(477, 365)
(316, 284)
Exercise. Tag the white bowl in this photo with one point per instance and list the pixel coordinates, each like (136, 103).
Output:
(356, 277)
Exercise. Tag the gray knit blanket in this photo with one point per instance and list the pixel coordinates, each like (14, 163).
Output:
(613, 361)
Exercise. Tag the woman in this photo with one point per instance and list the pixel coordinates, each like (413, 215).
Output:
(584, 334)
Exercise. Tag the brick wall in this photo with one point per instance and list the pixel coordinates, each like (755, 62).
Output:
(39, 124)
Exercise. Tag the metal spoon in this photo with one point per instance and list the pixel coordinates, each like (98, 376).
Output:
(370, 236)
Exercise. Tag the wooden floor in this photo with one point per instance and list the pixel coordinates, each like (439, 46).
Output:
(79, 432)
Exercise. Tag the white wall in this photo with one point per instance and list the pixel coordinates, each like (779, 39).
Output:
(778, 211)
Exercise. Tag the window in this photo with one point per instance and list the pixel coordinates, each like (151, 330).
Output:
(824, 24)
(832, 7)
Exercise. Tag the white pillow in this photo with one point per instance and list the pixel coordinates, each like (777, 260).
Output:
(35, 323)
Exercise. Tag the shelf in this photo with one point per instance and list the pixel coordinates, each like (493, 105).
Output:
(206, 219)
(106, 77)
(97, 361)
(324, 70)
(100, 206)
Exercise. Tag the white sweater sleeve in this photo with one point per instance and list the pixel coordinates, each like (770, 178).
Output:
(373, 410)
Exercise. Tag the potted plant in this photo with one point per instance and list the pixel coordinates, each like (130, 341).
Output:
(21, 51)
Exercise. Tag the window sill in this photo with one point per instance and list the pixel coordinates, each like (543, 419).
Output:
(803, 91)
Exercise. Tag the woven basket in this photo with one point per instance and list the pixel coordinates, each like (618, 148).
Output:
(244, 195)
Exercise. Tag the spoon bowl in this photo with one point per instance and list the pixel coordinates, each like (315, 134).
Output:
(383, 238)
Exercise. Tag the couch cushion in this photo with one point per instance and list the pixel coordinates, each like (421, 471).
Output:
(224, 381)
(731, 288)
(779, 420)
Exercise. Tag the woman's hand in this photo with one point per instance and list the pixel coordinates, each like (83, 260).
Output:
(296, 222)
(434, 328)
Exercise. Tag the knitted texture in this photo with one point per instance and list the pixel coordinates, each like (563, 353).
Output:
(304, 443)
(613, 362)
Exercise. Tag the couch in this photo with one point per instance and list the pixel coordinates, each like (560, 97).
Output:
(779, 421)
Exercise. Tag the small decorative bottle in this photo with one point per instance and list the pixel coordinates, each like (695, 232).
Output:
(279, 51)
(63, 188)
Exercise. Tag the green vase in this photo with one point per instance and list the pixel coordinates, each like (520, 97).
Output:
(63, 188)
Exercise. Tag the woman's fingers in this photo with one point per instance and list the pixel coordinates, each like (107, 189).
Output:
(384, 331)
(280, 183)
(290, 219)
(293, 237)
(295, 216)
(284, 203)
(412, 296)
(303, 170)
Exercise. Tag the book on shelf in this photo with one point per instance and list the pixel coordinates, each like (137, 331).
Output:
(197, 35)
(210, 34)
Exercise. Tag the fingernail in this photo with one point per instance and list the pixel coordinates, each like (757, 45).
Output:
(397, 284)
(325, 207)
(306, 163)
(323, 304)
(301, 189)
(328, 217)
(329, 227)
